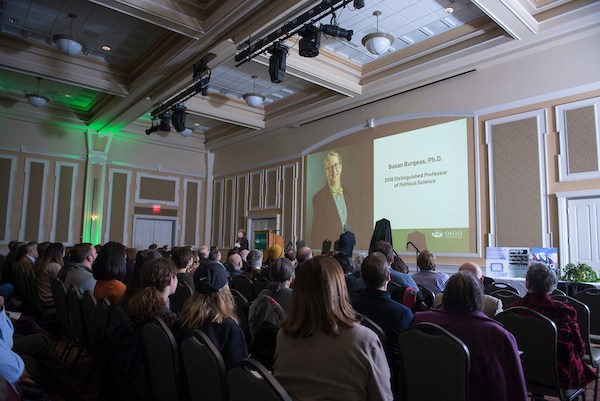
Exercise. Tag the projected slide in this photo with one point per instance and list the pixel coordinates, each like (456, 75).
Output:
(420, 184)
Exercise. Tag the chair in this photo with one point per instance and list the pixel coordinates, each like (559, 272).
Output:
(591, 297)
(248, 380)
(204, 367)
(536, 337)
(592, 354)
(375, 327)
(182, 294)
(261, 283)
(44, 313)
(487, 281)
(326, 247)
(78, 324)
(428, 347)
(59, 294)
(241, 309)
(428, 296)
(300, 244)
(244, 285)
(102, 306)
(88, 307)
(507, 297)
(499, 286)
(163, 360)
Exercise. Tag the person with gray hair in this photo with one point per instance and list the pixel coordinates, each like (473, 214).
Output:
(540, 281)
(496, 372)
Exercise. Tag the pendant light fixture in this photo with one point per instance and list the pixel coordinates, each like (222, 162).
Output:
(254, 99)
(35, 99)
(68, 44)
(377, 42)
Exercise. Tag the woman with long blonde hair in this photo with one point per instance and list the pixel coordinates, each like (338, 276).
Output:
(211, 309)
(47, 269)
(323, 352)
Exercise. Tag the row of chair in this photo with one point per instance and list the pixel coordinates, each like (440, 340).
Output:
(206, 375)
(26, 285)
(249, 288)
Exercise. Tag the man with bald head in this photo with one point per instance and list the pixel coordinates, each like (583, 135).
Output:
(234, 265)
(304, 254)
(491, 305)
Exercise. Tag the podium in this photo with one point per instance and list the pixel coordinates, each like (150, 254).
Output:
(265, 239)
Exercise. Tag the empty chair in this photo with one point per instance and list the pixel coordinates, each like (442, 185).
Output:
(428, 347)
(536, 337)
(500, 286)
(591, 297)
(163, 361)
(248, 380)
(592, 354)
(205, 369)
(326, 247)
(507, 297)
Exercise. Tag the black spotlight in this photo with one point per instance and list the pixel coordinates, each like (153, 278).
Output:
(358, 4)
(152, 129)
(178, 120)
(277, 62)
(336, 31)
(310, 42)
(165, 122)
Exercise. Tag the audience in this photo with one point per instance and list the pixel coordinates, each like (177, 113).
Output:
(27, 254)
(282, 277)
(400, 279)
(47, 269)
(234, 265)
(428, 277)
(203, 252)
(183, 258)
(496, 372)
(211, 310)
(275, 252)
(134, 284)
(321, 347)
(491, 305)
(254, 260)
(110, 271)
(377, 304)
(304, 254)
(214, 254)
(78, 272)
(540, 282)
(292, 255)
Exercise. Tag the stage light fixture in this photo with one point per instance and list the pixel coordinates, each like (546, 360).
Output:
(279, 53)
(178, 120)
(152, 129)
(358, 4)
(310, 42)
(336, 31)
(165, 122)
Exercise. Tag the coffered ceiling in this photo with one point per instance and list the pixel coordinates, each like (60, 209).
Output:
(139, 53)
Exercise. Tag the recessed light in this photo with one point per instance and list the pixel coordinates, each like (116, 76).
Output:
(197, 124)
(449, 10)
(106, 48)
(13, 20)
(67, 95)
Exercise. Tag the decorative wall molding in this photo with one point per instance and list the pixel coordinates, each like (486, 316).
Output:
(111, 173)
(11, 191)
(24, 211)
(138, 199)
(57, 171)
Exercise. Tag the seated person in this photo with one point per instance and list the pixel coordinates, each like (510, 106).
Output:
(211, 309)
(183, 258)
(428, 277)
(110, 270)
(46, 270)
(377, 304)
(491, 305)
(78, 272)
(496, 372)
(283, 274)
(541, 281)
(323, 352)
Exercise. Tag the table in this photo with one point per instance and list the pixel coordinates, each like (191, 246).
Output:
(567, 287)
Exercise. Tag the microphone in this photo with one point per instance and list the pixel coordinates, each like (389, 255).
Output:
(413, 246)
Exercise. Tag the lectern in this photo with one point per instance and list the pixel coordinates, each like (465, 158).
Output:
(265, 239)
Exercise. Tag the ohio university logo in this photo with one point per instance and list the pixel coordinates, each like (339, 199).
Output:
(437, 234)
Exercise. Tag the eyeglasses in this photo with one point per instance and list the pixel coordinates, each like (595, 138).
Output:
(336, 166)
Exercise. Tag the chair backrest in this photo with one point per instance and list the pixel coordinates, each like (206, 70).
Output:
(102, 306)
(90, 316)
(163, 361)
(248, 380)
(77, 319)
(326, 247)
(33, 290)
(59, 294)
(428, 347)
(244, 285)
(260, 284)
(583, 319)
(300, 244)
(241, 310)
(204, 367)
(591, 297)
(182, 294)
(536, 337)
(507, 297)
(428, 296)
(500, 286)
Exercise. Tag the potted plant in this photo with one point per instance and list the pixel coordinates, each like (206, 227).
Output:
(579, 273)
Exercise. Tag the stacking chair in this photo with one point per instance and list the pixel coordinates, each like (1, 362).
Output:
(59, 294)
(182, 293)
(428, 296)
(375, 327)
(592, 354)
(326, 247)
(248, 380)
(500, 286)
(205, 369)
(591, 297)
(507, 297)
(244, 285)
(78, 324)
(241, 309)
(260, 284)
(428, 347)
(45, 315)
(536, 337)
(88, 307)
(102, 306)
(163, 360)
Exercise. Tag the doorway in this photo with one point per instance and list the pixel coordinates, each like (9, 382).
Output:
(152, 230)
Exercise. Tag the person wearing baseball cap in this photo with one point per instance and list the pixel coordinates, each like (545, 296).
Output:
(211, 309)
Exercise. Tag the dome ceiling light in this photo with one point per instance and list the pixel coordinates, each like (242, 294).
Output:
(377, 42)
